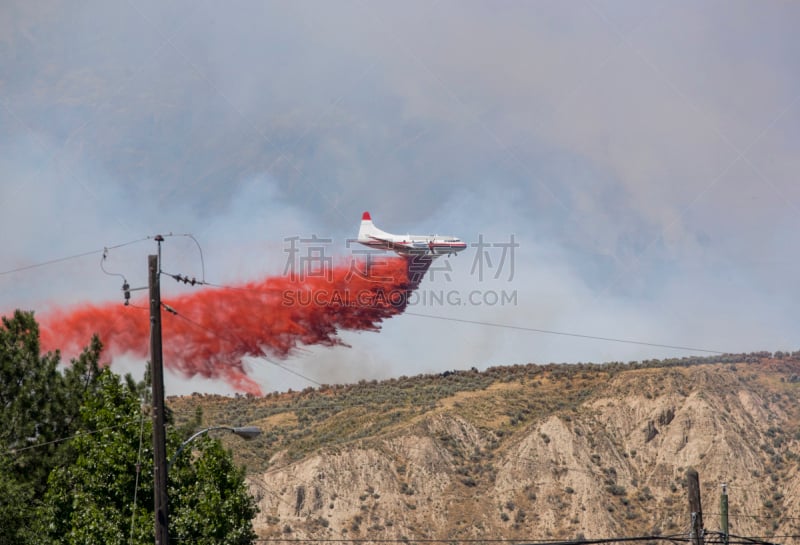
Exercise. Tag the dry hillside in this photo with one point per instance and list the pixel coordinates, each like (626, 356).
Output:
(528, 452)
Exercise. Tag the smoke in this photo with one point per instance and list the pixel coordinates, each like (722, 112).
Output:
(209, 332)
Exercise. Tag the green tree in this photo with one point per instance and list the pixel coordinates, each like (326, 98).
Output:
(91, 501)
(15, 499)
(39, 406)
(209, 503)
(106, 496)
(30, 392)
(76, 456)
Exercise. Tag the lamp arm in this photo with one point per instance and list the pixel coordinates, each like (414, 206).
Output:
(192, 438)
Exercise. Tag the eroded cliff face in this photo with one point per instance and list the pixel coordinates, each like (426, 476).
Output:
(607, 458)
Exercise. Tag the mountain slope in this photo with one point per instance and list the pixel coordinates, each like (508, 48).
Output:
(529, 452)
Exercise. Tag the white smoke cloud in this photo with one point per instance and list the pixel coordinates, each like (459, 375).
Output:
(644, 160)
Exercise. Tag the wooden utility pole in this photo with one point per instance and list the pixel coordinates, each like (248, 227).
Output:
(696, 510)
(723, 510)
(159, 423)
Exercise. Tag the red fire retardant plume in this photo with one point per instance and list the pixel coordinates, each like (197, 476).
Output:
(215, 328)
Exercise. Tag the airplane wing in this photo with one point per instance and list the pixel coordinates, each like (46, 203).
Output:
(406, 246)
(391, 244)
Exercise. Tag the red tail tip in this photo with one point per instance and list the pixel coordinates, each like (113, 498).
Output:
(366, 217)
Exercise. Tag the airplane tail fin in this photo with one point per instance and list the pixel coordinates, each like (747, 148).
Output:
(368, 231)
(367, 228)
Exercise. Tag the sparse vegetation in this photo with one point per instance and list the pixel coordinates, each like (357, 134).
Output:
(616, 490)
(491, 414)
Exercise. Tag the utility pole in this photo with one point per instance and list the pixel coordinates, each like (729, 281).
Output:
(159, 422)
(696, 510)
(723, 510)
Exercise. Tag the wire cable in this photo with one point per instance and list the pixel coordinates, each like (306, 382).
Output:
(193, 281)
(262, 356)
(182, 278)
(673, 538)
(14, 451)
(103, 268)
(199, 248)
(70, 257)
(138, 473)
(565, 333)
(50, 262)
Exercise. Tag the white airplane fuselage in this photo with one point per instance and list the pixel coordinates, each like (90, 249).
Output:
(433, 245)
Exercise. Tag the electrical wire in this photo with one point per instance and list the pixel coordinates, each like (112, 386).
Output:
(103, 268)
(227, 338)
(755, 540)
(138, 473)
(568, 334)
(70, 257)
(186, 280)
(673, 538)
(50, 262)
(199, 248)
(14, 451)
(682, 538)
(733, 514)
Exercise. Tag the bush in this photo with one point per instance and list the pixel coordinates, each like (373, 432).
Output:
(616, 490)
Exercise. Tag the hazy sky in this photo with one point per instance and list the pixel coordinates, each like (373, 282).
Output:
(644, 156)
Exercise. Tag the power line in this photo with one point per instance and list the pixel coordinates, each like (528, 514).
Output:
(565, 333)
(674, 538)
(50, 262)
(70, 257)
(756, 540)
(62, 439)
(138, 472)
(105, 250)
(185, 279)
(193, 281)
(677, 538)
(199, 248)
(262, 356)
(767, 516)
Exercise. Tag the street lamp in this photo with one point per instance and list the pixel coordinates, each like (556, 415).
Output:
(245, 432)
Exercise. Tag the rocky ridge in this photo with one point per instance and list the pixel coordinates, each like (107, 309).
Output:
(544, 452)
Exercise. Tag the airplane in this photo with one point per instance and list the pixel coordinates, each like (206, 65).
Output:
(430, 245)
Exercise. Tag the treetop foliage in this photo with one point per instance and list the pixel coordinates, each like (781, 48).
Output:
(76, 460)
